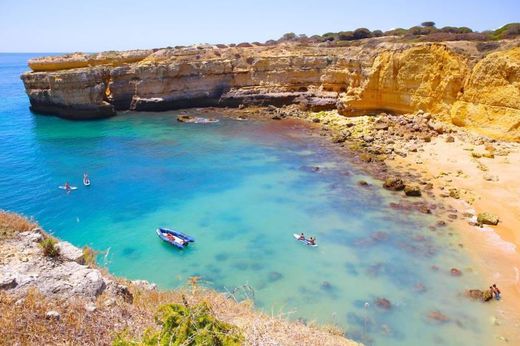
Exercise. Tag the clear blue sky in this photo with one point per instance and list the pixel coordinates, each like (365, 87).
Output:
(95, 25)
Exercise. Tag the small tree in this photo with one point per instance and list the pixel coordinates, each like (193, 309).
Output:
(290, 36)
(377, 33)
(362, 33)
(428, 24)
(345, 35)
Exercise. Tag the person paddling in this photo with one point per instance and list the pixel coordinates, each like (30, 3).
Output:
(67, 186)
(301, 237)
(312, 241)
(86, 180)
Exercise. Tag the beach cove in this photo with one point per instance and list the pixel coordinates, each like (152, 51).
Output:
(242, 188)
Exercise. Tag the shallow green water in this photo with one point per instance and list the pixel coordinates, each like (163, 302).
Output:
(241, 189)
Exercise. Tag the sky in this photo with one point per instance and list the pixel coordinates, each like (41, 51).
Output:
(95, 25)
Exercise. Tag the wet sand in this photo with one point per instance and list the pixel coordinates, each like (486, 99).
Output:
(495, 249)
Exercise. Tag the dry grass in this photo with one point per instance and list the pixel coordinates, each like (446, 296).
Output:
(11, 223)
(23, 321)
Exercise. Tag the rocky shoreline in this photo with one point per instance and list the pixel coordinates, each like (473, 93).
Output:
(454, 81)
(466, 180)
(65, 298)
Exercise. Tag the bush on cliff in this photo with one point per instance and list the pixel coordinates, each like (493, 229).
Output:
(49, 247)
(186, 325)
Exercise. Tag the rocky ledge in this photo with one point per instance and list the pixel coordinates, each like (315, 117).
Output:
(453, 81)
(61, 297)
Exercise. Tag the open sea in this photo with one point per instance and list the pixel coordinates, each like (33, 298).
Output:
(241, 188)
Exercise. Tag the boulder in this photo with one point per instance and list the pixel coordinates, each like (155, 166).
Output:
(381, 125)
(7, 281)
(87, 282)
(450, 139)
(70, 253)
(394, 184)
(365, 157)
(454, 193)
(90, 307)
(183, 118)
(412, 190)
(487, 295)
(487, 219)
(52, 315)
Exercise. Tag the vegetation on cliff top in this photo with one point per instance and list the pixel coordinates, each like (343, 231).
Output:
(427, 31)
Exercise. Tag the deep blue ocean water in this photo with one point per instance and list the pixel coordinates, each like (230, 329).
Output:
(241, 188)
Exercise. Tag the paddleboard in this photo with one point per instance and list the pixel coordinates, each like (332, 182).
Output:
(63, 187)
(305, 241)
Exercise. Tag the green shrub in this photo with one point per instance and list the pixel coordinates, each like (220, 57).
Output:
(49, 247)
(187, 326)
(362, 33)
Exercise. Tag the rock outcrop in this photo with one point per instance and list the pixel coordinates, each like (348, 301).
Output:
(23, 266)
(452, 82)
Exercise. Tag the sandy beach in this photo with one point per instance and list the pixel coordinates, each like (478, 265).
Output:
(495, 249)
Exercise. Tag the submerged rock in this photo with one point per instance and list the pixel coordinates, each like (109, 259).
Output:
(383, 303)
(455, 272)
(437, 316)
(326, 286)
(275, 276)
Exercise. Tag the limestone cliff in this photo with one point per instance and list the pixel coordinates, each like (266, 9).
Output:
(452, 81)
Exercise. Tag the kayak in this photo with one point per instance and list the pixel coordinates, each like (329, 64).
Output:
(175, 238)
(70, 187)
(305, 241)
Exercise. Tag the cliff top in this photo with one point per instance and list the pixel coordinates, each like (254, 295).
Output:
(207, 52)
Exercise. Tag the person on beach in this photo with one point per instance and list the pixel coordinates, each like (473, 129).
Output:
(496, 291)
(301, 237)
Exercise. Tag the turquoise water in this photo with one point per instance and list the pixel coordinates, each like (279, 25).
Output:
(241, 189)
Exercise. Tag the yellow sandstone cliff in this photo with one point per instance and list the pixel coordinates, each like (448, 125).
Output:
(453, 81)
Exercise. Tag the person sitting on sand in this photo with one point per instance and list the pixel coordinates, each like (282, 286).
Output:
(301, 237)
(496, 291)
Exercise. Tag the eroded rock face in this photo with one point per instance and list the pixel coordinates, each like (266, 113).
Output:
(23, 266)
(450, 83)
